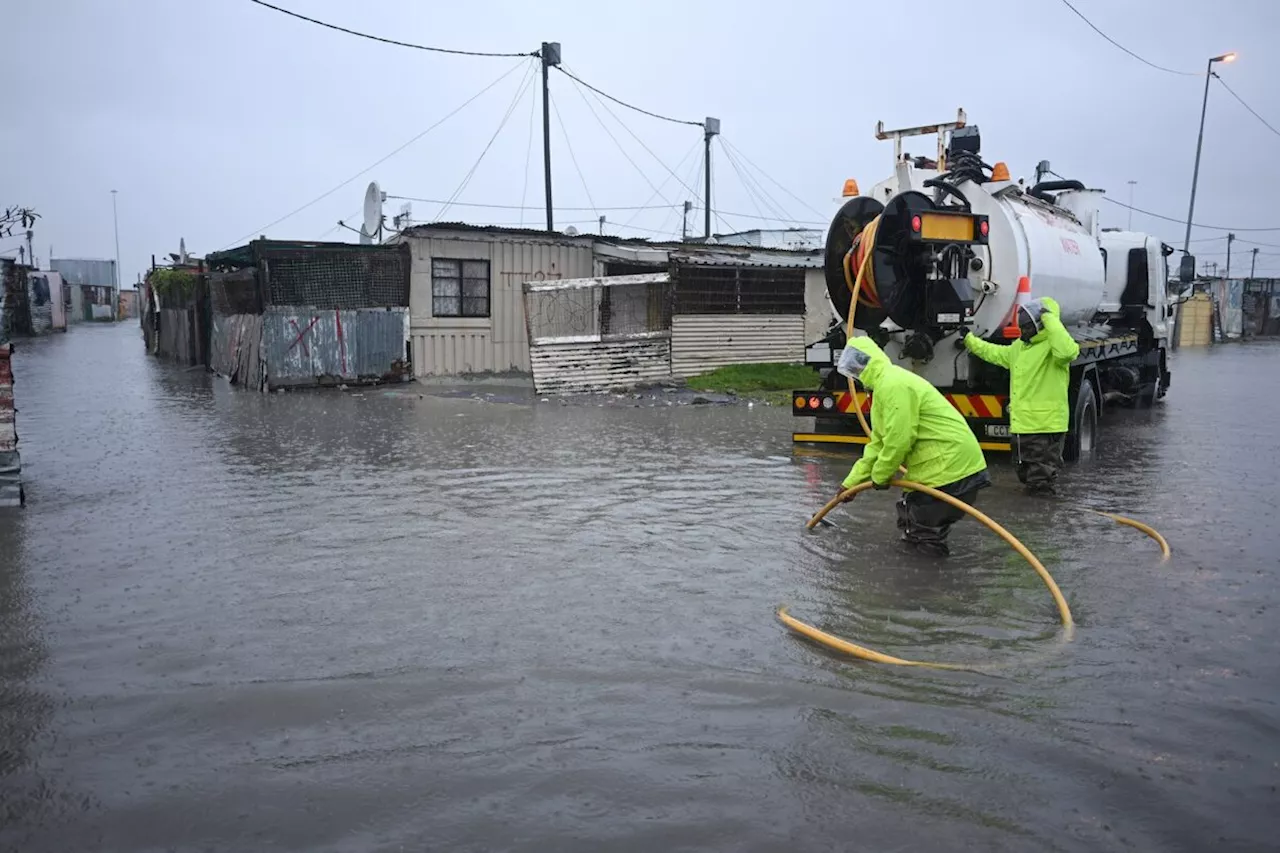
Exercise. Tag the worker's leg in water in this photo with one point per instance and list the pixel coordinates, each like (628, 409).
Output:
(1040, 460)
(925, 520)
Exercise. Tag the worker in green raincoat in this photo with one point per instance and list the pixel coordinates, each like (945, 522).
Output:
(912, 424)
(1039, 365)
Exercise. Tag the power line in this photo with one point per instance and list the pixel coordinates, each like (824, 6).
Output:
(623, 151)
(770, 202)
(751, 196)
(1183, 221)
(574, 158)
(623, 103)
(466, 181)
(379, 162)
(569, 222)
(530, 206)
(638, 140)
(1125, 49)
(648, 204)
(780, 186)
(387, 40)
(1247, 107)
(338, 224)
(528, 153)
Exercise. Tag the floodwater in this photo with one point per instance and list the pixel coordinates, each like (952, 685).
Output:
(374, 621)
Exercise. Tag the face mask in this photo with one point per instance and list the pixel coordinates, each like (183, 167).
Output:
(1029, 320)
(852, 362)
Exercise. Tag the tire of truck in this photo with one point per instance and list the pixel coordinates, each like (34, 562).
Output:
(1083, 437)
(1153, 390)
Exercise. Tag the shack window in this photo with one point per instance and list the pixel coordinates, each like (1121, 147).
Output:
(738, 290)
(459, 288)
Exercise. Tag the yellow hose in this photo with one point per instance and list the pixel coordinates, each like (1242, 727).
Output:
(1165, 551)
(867, 236)
(841, 645)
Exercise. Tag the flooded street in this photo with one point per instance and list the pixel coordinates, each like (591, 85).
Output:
(401, 620)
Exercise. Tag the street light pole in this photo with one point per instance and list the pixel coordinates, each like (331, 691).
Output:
(1195, 175)
(115, 221)
(1132, 184)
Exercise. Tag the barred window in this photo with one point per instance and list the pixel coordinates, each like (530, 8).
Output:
(738, 290)
(459, 288)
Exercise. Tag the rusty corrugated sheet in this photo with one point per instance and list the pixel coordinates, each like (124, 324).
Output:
(598, 366)
(308, 346)
(703, 342)
(235, 350)
(10, 461)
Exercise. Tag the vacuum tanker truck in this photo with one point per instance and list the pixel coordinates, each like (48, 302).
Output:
(949, 245)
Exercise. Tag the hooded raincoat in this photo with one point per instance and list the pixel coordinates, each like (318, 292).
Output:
(912, 424)
(1039, 373)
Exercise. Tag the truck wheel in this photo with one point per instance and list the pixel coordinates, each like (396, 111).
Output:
(1155, 389)
(1083, 437)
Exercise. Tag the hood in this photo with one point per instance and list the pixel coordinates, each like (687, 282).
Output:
(1031, 316)
(879, 361)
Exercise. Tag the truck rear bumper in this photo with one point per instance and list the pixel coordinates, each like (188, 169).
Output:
(846, 439)
(834, 421)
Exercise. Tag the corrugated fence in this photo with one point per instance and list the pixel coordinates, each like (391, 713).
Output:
(236, 349)
(702, 342)
(309, 346)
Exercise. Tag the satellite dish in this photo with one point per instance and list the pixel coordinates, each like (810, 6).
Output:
(571, 231)
(372, 211)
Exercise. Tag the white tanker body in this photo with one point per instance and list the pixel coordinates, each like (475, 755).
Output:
(949, 250)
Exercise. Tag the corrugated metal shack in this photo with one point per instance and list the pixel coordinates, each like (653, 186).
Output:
(670, 312)
(90, 288)
(483, 300)
(10, 461)
(177, 326)
(466, 310)
(288, 314)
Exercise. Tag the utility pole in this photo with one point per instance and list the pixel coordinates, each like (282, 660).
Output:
(31, 251)
(602, 219)
(684, 226)
(1253, 265)
(1132, 184)
(711, 128)
(1231, 238)
(550, 55)
(115, 220)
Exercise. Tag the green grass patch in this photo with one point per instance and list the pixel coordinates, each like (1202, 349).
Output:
(769, 382)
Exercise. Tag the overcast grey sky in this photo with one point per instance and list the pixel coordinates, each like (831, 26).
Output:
(215, 117)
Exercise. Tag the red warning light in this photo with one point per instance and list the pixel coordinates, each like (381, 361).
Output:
(984, 228)
(915, 224)
(814, 402)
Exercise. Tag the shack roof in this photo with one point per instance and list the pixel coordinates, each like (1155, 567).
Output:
(711, 254)
(249, 254)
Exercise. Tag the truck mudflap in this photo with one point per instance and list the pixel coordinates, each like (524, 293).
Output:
(835, 421)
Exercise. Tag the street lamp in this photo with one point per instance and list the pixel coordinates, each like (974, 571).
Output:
(1132, 184)
(1187, 272)
(115, 222)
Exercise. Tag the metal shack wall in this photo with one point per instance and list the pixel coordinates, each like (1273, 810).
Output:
(311, 346)
(499, 342)
(84, 271)
(602, 365)
(702, 342)
(10, 461)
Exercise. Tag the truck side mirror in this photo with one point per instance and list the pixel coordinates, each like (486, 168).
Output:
(1187, 269)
